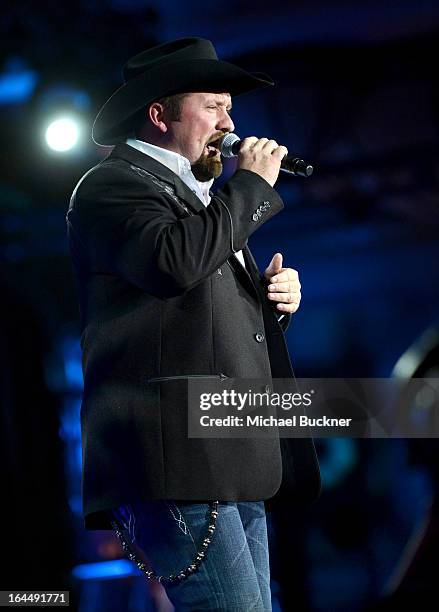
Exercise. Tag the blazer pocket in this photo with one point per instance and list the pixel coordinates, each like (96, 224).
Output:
(159, 379)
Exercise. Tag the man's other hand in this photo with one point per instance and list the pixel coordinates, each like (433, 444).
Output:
(262, 156)
(283, 285)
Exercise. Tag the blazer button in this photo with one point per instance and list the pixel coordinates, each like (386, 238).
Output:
(259, 337)
(255, 217)
(267, 389)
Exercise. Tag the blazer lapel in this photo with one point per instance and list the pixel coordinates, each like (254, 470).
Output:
(243, 275)
(253, 271)
(145, 162)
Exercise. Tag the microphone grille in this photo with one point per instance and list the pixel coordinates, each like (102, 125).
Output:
(227, 144)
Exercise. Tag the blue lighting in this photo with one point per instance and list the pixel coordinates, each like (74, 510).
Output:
(119, 568)
(61, 95)
(17, 83)
(71, 353)
(339, 459)
(73, 372)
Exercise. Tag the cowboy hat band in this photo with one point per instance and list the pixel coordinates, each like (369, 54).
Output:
(181, 66)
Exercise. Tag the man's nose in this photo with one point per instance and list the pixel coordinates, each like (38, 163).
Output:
(225, 124)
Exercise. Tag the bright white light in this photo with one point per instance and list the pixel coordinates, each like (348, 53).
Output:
(62, 134)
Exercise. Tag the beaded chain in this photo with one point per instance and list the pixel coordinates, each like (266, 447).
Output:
(183, 574)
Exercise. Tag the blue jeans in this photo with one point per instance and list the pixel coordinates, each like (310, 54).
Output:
(234, 576)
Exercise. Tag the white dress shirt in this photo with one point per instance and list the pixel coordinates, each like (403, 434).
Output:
(181, 167)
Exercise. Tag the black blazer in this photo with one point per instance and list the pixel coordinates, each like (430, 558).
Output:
(162, 294)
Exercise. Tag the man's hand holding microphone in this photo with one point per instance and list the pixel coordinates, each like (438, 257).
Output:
(250, 148)
(262, 156)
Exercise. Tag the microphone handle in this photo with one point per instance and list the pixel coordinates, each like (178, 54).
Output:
(290, 164)
(296, 166)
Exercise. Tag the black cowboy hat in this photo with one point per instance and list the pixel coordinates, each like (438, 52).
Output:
(180, 66)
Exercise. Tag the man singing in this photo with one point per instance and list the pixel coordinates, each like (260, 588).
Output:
(169, 291)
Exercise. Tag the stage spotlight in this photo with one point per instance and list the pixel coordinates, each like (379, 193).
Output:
(62, 134)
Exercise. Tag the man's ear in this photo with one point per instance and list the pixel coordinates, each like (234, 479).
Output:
(156, 114)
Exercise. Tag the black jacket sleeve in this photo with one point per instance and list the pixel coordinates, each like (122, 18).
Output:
(120, 223)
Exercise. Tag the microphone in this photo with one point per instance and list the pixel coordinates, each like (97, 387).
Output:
(292, 164)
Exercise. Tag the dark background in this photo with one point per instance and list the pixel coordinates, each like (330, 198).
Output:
(356, 95)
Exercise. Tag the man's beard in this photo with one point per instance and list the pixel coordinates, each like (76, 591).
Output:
(208, 166)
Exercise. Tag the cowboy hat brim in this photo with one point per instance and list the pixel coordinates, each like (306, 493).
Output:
(183, 76)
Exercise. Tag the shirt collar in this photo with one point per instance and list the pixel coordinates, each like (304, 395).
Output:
(205, 188)
(174, 161)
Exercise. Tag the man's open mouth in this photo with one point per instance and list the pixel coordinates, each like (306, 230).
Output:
(213, 147)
